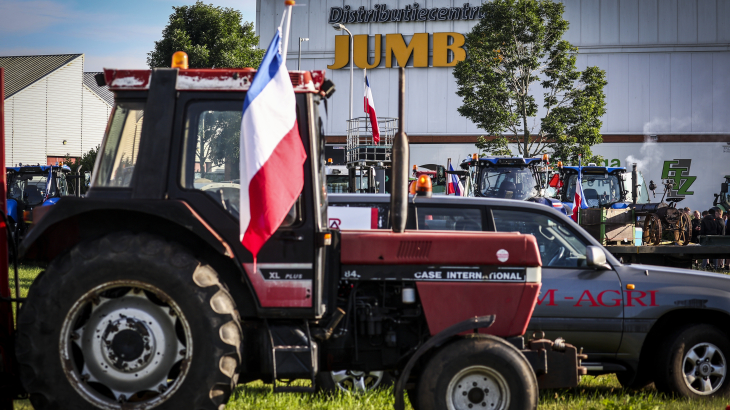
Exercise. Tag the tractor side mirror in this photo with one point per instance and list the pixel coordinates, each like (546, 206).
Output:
(87, 178)
(723, 188)
(596, 258)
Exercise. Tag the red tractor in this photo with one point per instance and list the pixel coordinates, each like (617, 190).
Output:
(149, 299)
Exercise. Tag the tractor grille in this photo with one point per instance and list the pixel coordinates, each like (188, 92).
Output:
(414, 249)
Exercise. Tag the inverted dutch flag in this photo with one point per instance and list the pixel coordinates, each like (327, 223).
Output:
(370, 111)
(454, 186)
(270, 143)
(579, 201)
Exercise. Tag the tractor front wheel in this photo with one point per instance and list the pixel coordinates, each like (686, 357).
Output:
(128, 322)
(478, 372)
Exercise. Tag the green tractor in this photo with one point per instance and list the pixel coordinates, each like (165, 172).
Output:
(722, 200)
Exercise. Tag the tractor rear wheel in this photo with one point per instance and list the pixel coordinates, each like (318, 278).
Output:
(127, 322)
(476, 372)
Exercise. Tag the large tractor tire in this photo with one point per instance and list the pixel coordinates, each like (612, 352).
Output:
(478, 372)
(693, 362)
(128, 322)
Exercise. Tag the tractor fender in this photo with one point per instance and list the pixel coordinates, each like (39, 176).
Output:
(59, 227)
(12, 210)
(474, 323)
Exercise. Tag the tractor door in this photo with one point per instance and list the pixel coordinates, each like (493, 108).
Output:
(289, 268)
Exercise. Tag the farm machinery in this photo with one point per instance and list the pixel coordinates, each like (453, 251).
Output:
(149, 299)
(617, 206)
(722, 200)
(30, 186)
(662, 218)
(518, 178)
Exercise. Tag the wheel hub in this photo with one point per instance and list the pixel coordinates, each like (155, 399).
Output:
(704, 369)
(478, 387)
(475, 395)
(128, 344)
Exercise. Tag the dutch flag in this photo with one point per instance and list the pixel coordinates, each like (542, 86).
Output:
(370, 110)
(579, 201)
(270, 143)
(454, 186)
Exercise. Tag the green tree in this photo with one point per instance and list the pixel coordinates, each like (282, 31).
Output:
(211, 36)
(516, 47)
(86, 162)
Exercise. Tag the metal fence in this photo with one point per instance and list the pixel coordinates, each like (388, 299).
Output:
(360, 145)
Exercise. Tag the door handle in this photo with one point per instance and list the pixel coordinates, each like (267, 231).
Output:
(291, 236)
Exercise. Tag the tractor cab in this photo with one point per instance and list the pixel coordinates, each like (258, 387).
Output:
(30, 186)
(603, 187)
(524, 179)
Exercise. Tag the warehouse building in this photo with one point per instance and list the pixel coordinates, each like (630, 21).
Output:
(52, 108)
(666, 61)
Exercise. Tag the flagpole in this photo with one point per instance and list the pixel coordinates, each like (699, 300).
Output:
(287, 14)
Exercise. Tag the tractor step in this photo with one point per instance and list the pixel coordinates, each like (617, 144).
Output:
(293, 355)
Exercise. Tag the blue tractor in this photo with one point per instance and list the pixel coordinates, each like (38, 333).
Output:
(603, 187)
(30, 186)
(509, 177)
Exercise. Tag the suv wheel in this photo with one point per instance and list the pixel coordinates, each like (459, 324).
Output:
(127, 322)
(354, 381)
(693, 362)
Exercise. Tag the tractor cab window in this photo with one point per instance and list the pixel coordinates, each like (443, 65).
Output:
(559, 246)
(449, 219)
(30, 189)
(599, 189)
(121, 146)
(211, 162)
(510, 183)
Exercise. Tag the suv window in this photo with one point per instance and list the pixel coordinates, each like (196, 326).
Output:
(559, 246)
(121, 146)
(449, 219)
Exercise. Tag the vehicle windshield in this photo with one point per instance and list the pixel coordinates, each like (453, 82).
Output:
(599, 189)
(510, 183)
(337, 184)
(29, 188)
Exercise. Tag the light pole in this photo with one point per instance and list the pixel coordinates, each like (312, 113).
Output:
(299, 63)
(340, 27)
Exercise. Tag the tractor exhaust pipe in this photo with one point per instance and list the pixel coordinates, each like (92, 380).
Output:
(399, 194)
(634, 182)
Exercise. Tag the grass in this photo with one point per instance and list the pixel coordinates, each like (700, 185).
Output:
(593, 393)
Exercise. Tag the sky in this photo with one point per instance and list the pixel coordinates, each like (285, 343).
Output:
(110, 33)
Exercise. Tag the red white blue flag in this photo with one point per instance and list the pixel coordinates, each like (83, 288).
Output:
(579, 201)
(454, 186)
(270, 143)
(370, 111)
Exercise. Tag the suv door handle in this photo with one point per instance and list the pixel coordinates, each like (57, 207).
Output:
(291, 236)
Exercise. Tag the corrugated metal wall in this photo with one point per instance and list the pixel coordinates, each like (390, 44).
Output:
(665, 61)
(63, 109)
(95, 115)
(9, 132)
(56, 108)
(29, 125)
